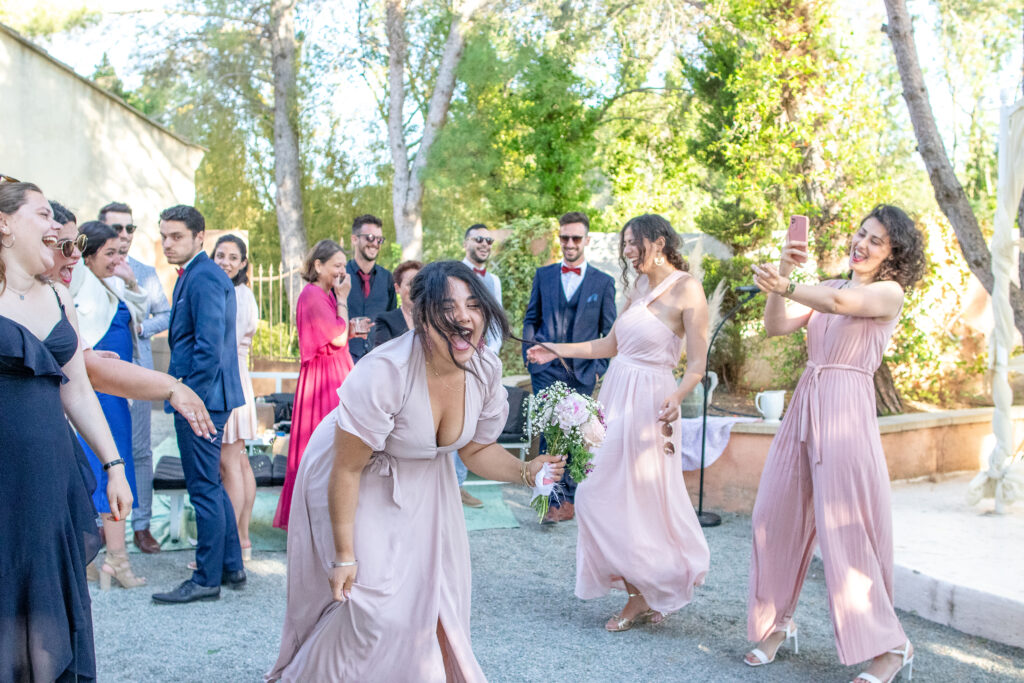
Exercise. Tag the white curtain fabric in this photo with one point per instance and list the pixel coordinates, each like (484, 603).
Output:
(1001, 480)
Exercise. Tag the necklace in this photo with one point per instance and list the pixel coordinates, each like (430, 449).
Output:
(446, 385)
(20, 292)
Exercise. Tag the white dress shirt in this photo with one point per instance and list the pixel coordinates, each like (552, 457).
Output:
(493, 284)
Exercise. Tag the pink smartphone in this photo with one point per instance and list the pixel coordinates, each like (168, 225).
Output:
(797, 231)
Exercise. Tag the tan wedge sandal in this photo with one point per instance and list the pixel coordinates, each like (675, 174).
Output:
(116, 567)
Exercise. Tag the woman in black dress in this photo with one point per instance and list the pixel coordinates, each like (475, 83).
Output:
(395, 323)
(46, 516)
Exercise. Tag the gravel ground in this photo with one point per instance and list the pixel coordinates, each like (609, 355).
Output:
(556, 637)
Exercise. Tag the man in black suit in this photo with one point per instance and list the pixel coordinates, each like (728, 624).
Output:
(204, 356)
(571, 301)
(373, 289)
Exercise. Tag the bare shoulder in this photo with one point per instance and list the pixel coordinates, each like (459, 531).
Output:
(687, 289)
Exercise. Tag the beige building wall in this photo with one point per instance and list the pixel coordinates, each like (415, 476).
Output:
(85, 147)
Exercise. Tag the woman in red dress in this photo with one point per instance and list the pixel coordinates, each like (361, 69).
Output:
(321, 320)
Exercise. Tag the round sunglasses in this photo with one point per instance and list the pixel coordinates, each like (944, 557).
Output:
(67, 246)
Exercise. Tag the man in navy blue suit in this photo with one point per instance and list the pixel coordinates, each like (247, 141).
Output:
(204, 356)
(571, 301)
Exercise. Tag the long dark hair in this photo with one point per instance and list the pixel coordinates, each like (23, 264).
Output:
(906, 263)
(12, 198)
(98, 234)
(242, 276)
(650, 226)
(429, 290)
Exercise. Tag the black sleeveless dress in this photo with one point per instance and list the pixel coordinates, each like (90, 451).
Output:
(47, 521)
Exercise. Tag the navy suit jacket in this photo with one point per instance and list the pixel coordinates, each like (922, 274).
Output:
(202, 335)
(595, 316)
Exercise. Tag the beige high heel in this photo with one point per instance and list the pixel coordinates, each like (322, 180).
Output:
(762, 658)
(649, 616)
(116, 567)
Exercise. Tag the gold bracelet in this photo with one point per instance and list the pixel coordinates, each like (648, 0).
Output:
(524, 474)
(174, 386)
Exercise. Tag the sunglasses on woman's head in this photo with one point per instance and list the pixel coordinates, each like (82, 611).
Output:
(575, 239)
(67, 246)
(130, 228)
(8, 179)
(480, 239)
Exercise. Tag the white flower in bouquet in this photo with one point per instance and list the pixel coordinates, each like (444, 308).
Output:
(572, 411)
(593, 431)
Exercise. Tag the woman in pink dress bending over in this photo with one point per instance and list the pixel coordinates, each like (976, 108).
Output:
(378, 557)
(825, 480)
(321, 320)
(637, 528)
(231, 255)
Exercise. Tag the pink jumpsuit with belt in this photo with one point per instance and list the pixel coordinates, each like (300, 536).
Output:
(826, 481)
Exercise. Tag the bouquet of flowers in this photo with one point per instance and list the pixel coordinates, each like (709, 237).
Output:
(573, 425)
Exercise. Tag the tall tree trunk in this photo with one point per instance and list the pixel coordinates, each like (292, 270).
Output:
(887, 398)
(407, 187)
(948, 192)
(291, 226)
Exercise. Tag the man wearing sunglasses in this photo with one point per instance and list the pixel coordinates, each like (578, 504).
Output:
(571, 301)
(155, 315)
(373, 288)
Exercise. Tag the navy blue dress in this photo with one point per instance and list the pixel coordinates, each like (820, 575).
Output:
(47, 521)
(119, 340)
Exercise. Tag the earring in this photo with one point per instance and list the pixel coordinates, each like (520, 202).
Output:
(659, 260)
(4, 244)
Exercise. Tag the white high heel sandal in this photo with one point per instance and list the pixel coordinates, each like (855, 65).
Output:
(908, 664)
(762, 658)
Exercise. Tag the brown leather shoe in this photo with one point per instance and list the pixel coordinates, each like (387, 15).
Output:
(552, 516)
(145, 542)
(566, 511)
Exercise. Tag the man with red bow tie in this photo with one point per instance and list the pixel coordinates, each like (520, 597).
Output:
(571, 301)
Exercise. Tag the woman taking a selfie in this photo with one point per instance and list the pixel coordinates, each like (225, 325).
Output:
(825, 480)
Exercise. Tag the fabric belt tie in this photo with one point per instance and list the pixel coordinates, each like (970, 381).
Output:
(383, 465)
(810, 429)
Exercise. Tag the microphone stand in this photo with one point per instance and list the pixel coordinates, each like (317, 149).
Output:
(709, 519)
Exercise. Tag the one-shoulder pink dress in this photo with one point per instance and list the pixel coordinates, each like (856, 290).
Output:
(636, 521)
(410, 535)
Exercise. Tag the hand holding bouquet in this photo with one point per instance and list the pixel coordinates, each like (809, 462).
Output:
(573, 425)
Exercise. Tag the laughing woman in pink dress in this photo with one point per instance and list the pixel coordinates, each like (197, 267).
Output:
(378, 557)
(637, 528)
(825, 481)
(321, 321)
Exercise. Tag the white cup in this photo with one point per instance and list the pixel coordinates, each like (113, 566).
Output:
(770, 404)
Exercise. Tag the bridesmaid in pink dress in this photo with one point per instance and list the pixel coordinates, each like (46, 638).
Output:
(637, 528)
(825, 480)
(321, 320)
(378, 557)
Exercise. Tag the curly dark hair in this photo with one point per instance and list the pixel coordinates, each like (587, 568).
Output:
(650, 226)
(906, 264)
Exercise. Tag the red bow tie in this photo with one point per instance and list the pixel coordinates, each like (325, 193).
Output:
(181, 271)
(480, 271)
(567, 269)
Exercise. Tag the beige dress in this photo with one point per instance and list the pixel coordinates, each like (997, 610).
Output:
(241, 423)
(410, 535)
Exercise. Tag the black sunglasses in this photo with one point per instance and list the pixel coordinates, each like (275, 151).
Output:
(8, 179)
(575, 239)
(67, 246)
(479, 239)
(130, 228)
(372, 239)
